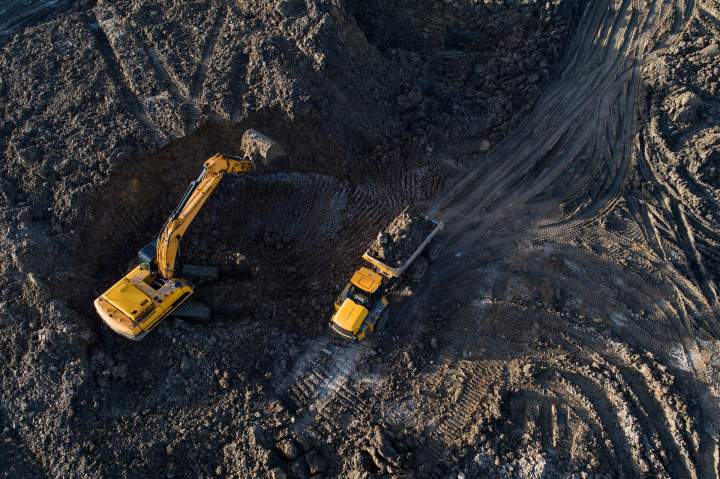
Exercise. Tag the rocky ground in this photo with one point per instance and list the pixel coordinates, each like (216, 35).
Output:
(569, 329)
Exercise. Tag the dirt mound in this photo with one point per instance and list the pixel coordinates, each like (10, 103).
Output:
(403, 236)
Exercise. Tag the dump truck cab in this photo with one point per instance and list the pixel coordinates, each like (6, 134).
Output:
(360, 305)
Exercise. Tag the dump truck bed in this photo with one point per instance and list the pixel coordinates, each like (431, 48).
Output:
(405, 238)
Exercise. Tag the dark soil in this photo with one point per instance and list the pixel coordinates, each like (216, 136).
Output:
(570, 330)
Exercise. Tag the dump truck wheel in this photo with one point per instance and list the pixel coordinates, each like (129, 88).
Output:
(433, 250)
(418, 269)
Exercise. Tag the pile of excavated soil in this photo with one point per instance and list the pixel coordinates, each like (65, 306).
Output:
(395, 244)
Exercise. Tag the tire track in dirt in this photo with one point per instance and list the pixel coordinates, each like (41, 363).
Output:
(610, 145)
(583, 408)
(709, 18)
(223, 82)
(679, 316)
(656, 445)
(208, 53)
(656, 416)
(190, 111)
(470, 398)
(120, 77)
(141, 72)
(669, 205)
(322, 388)
(687, 240)
(620, 424)
(655, 450)
(137, 45)
(670, 200)
(642, 410)
(596, 93)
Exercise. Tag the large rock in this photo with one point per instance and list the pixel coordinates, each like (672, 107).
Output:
(684, 106)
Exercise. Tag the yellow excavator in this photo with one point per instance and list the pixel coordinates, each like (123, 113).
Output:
(152, 290)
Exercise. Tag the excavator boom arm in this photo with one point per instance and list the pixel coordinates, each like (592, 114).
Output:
(192, 202)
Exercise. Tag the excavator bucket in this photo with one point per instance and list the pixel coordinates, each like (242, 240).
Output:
(264, 151)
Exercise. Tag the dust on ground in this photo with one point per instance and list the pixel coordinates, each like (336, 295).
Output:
(569, 328)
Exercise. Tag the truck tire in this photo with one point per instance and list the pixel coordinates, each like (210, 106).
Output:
(433, 250)
(418, 269)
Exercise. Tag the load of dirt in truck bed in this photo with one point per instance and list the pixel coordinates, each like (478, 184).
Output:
(401, 238)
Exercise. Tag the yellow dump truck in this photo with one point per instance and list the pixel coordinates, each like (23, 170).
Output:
(403, 249)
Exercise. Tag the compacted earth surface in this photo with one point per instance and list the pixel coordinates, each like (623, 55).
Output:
(569, 328)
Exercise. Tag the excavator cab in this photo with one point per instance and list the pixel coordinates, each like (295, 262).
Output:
(146, 255)
(136, 303)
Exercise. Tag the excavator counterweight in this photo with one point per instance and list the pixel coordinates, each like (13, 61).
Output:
(152, 290)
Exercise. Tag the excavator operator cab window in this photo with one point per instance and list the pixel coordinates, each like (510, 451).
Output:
(146, 255)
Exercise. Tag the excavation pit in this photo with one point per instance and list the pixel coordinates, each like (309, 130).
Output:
(284, 242)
